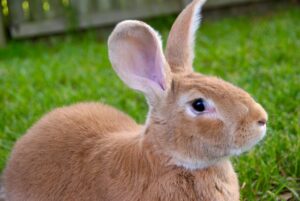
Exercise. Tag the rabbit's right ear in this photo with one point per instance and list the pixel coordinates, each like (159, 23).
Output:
(136, 54)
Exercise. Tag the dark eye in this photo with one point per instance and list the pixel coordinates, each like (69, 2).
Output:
(198, 105)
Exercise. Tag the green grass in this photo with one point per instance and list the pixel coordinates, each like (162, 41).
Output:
(260, 54)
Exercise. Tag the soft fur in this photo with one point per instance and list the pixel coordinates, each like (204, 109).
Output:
(92, 152)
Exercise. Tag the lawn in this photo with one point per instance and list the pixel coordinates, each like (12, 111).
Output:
(258, 53)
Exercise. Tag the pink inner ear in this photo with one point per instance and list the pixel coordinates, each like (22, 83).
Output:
(154, 71)
(145, 60)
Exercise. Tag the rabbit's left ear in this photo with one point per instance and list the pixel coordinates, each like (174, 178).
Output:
(136, 54)
(180, 45)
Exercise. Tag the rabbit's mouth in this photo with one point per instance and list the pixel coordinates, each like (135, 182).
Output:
(259, 133)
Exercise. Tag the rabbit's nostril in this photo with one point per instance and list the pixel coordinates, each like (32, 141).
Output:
(262, 122)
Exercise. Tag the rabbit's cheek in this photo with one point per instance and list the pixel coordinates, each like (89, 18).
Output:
(210, 128)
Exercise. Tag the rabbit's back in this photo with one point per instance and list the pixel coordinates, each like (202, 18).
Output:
(63, 148)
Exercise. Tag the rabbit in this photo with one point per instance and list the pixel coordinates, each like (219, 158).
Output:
(93, 152)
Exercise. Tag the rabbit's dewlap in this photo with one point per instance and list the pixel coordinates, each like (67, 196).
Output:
(93, 152)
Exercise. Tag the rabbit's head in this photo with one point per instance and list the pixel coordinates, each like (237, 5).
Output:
(195, 119)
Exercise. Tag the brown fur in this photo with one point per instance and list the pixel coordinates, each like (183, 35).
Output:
(76, 153)
(91, 151)
(179, 51)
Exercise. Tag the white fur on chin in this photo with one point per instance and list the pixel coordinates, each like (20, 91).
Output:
(191, 164)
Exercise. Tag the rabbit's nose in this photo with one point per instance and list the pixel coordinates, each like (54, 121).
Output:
(262, 122)
(260, 115)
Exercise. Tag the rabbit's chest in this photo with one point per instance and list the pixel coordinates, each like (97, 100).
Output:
(185, 186)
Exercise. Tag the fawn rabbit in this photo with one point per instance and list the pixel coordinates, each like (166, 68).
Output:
(92, 152)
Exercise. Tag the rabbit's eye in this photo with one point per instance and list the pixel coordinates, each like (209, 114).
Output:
(201, 107)
(198, 105)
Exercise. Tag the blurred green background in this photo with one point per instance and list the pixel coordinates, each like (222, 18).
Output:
(260, 53)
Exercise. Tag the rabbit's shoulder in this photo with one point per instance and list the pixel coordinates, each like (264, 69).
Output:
(86, 118)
